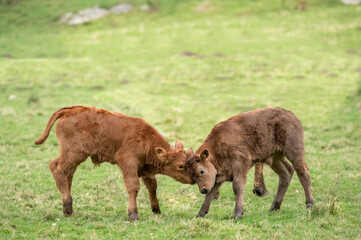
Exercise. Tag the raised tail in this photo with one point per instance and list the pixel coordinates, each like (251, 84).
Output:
(53, 118)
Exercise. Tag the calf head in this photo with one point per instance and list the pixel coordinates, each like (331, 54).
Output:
(202, 171)
(174, 162)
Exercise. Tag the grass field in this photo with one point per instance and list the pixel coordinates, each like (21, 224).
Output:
(183, 69)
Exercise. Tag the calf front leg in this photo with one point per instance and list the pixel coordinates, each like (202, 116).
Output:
(239, 183)
(238, 189)
(208, 200)
(131, 181)
(151, 184)
(217, 195)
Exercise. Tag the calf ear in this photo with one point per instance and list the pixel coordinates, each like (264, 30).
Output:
(161, 154)
(204, 154)
(190, 152)
(178, 145)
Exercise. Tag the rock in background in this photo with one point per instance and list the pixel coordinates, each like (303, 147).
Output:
(94, 13)
(121, 8)
(351, 2)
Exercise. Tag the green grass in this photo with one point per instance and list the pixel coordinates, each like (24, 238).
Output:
(245, 55)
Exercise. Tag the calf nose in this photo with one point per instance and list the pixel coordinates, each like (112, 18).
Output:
(204, 191)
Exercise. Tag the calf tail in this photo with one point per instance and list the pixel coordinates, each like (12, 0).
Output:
(53, 118)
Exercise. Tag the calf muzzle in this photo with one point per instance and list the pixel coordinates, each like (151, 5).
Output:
(204, 191)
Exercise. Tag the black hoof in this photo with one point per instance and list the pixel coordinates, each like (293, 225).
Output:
(68, 207)
(275, 206)
(260, 191)
(156, 210)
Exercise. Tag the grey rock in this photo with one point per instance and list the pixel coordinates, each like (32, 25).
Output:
(145, 7)
(87, 15)
(66, 17)
(121, 8)
(351, 2)
(94, 13)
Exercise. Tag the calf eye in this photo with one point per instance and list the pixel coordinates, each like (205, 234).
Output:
(202, 171)
(180, 166)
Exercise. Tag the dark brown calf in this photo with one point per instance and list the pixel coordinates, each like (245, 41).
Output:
(131, 143)
(235, 145)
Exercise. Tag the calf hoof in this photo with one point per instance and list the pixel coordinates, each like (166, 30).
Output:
(156, 210)
(217, 196)
(67, 214)
(67, 209)
(275, 206)
(201, 215)
(260, 191)
(309, 204)
(237, 217)
(133, 217)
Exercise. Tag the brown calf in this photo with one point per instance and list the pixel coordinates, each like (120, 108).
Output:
(104, 136)
(235, 145)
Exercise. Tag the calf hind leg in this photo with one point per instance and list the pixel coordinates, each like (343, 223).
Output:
(259, 187)
(303, 174)
(295, 152)
(281, 167)
(63, 169)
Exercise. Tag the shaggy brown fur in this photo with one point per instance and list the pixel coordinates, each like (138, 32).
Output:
(104, 136)
(259, 187)
(235, 145)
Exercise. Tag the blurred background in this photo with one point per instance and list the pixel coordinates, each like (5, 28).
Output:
(183, 66)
